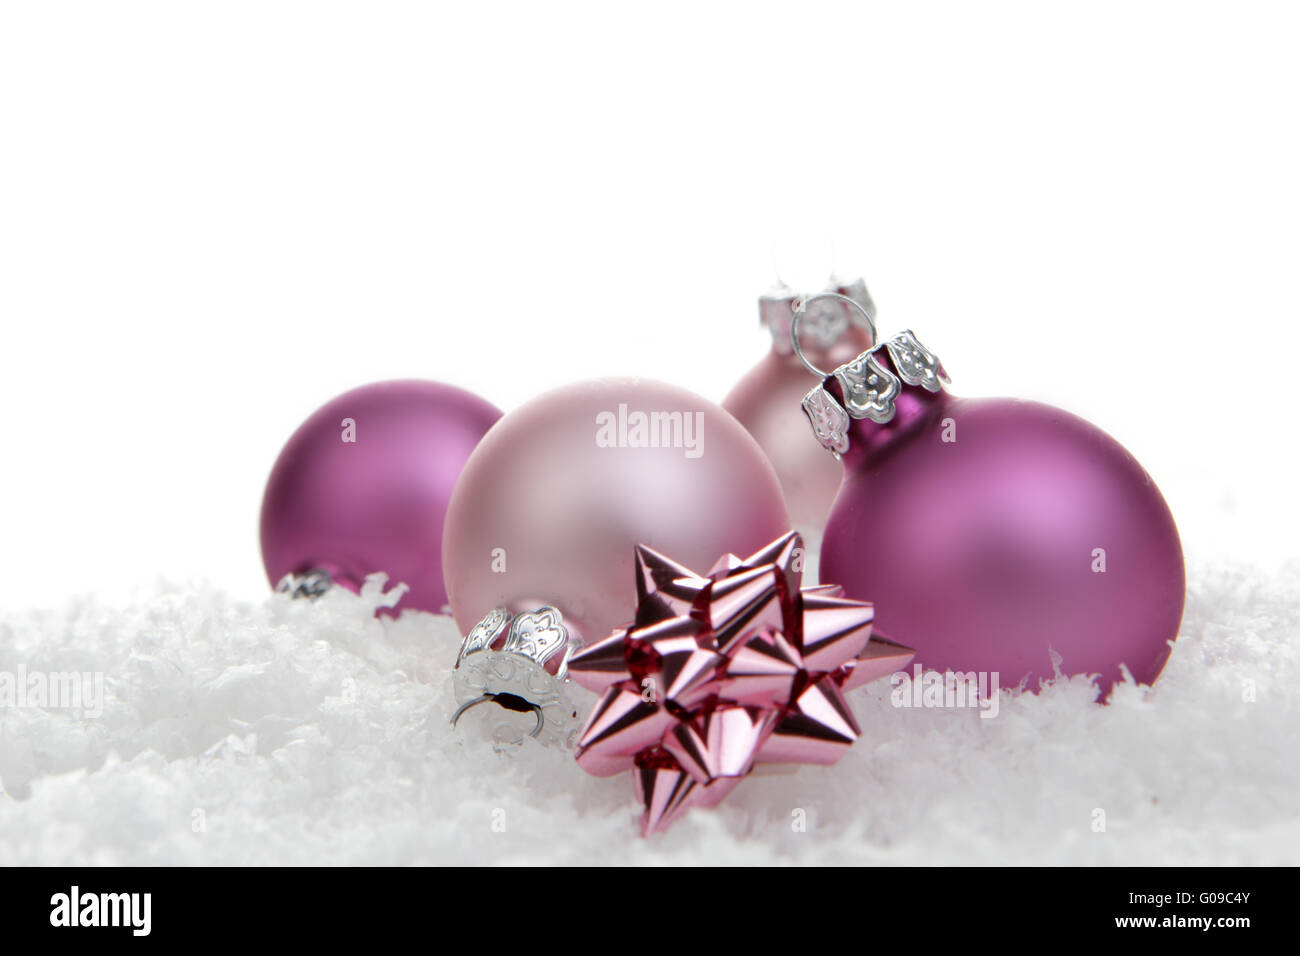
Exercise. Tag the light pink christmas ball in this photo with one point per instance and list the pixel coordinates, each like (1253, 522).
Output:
(559, 492)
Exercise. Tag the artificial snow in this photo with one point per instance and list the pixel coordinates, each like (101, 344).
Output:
(285, 731)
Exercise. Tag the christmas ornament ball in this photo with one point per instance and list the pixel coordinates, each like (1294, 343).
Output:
(766, 399)
(553, 502)
(363, 486)
(766, 402)
(996, 533)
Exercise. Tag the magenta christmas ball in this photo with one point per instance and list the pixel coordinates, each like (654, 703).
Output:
(994, 535)
(554, 501)
(363, 486)
(766, 400)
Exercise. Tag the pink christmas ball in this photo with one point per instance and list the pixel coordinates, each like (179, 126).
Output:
(555, 498)
(363, 486)
(992, 533)
(766, 400)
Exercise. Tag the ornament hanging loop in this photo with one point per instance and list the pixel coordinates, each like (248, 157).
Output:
(802, 307)
(516, 704)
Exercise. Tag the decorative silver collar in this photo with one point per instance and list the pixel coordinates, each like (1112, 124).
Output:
(309, 584)
(503, 661)
(870, 388)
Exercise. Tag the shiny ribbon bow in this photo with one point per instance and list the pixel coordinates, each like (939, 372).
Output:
(722, 672)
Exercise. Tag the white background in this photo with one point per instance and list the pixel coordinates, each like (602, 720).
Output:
(214, 217)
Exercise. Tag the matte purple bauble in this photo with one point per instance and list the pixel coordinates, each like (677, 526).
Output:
(555, 499)
(992, 532)
(363, 486)
(766, 402)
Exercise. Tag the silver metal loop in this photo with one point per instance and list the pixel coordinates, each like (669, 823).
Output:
(802, 307)
(492, 699)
